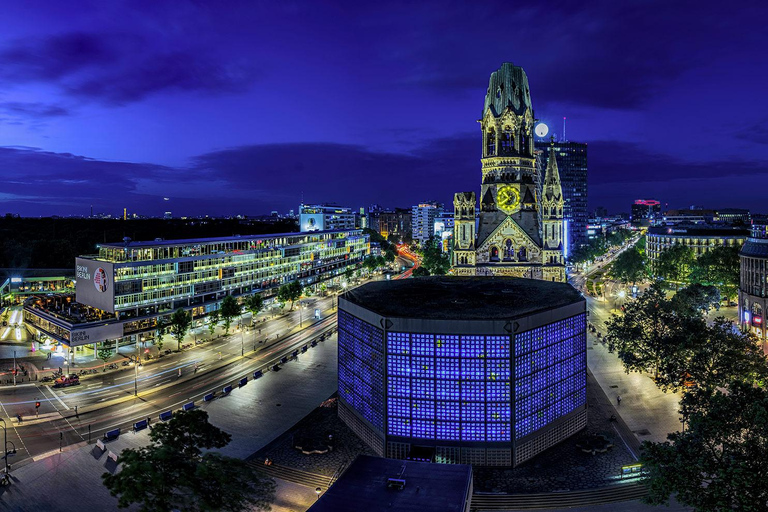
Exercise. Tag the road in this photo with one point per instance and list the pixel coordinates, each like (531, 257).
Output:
(103, 402)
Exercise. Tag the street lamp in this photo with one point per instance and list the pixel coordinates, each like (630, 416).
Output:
(136, 367)
(5, 447)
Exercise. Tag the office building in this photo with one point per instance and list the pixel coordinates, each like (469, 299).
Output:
(519, 231)
(734, 216)
(323, 217)
(572, 164)
(753, 283)
(423, 218)
(699, 238)
(471, 370)
(397, 222)
(123, 290)
(689, 216)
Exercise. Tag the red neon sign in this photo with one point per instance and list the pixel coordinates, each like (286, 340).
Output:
(647, 202)
(758, 320)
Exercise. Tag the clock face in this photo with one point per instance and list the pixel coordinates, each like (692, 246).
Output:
(507, 198)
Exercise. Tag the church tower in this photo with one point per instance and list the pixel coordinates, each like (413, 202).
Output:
(517, 232)
(464, 233)
(552, 222)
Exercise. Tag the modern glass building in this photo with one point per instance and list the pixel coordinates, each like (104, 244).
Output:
(127, 286)
(699, 238)
(572, 164)
(475, 370)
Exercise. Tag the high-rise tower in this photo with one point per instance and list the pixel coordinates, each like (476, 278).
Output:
(509, 233)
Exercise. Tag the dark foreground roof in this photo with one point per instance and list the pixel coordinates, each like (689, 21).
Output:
(462, 298)
(428, 487)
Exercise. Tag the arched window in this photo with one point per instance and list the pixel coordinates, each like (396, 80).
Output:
(522, 254)
(490, 143)
(494, 253)
(509, 251)
(523, 143)
(507, 141)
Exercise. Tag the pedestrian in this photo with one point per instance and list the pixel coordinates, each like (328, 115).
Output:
(618, 399)
(179, 372)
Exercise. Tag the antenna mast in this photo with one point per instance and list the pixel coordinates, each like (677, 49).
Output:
(564, 139)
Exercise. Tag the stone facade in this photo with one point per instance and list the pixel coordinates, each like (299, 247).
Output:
(519, 229)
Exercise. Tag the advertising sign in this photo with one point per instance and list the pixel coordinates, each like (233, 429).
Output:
(96, 334)
(95, 284)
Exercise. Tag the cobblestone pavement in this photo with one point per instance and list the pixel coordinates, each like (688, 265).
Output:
(563, 467)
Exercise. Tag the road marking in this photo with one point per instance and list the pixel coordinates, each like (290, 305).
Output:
(57, 397)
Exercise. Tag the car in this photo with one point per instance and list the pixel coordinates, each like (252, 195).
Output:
(66, 380)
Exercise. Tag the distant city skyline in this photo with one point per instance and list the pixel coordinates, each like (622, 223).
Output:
(254, 107)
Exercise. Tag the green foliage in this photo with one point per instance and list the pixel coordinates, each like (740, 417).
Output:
(434, 260)
(697, 299)
(629, 266)
(104, 354)
(161, 329)
(213, 319)
(640, 245)
(180, 322)
(174, 471)
(420, 272)
(659, 335)
(254, 304)
(371, 263)
(718, 267)
(229, 310)
(674, 265)
(292, 291)
(720, 462)
(390, 255)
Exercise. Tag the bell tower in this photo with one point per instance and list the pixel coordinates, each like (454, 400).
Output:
(552, 222)
(464, 233)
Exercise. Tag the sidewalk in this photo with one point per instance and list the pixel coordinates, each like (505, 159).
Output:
(72, 479)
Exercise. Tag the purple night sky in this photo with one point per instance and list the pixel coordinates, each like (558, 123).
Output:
(242, 107)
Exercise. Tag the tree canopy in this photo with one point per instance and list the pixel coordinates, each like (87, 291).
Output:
(254, 303)
(292, 292)
(629, 266)
(674, 264)
(173, 472)
(718, 267)
(180, 322)
(696, 299)
(671, 338)
(229, 310)
(434, 260)
(720, 462)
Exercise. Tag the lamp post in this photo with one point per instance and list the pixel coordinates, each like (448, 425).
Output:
(5, 447)
(136, 367)
(242, 341)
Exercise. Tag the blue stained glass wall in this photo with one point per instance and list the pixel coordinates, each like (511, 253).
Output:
(449, 387)
(550, 373)
(361, 367)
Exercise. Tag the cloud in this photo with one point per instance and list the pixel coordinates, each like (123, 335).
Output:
(33, 110)
(119, 68)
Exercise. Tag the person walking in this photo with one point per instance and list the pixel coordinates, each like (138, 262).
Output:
(618, 399)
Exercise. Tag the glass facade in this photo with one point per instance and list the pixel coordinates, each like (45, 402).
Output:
(463, 388)
(160, 274)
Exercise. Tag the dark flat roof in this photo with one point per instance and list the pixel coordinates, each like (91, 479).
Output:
(462, 298)
(428, 487)
(233, 238)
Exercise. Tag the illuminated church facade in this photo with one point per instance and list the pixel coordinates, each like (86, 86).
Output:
(519, 230)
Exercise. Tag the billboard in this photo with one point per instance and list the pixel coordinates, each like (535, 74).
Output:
(95, 284)
(96, 334)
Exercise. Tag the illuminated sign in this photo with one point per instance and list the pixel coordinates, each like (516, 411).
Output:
(15, 279)
(100, 280)
(647, 202)
(757, 320)
(746, 316)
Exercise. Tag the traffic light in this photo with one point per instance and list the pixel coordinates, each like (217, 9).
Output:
(37, 405)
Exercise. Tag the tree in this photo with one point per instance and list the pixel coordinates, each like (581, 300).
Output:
(292, 291)
(174, 472)
(104, 354)
(720, 462)
(674, 263)
(213, 320)
(629, 266)
(649, 336)
(161, 329)
(434, 260)
(720, 354)
(390, 255)
(229, 310)
(180, 322)
(697, 299)
(719, 267)
(254, 304)
(420, 272)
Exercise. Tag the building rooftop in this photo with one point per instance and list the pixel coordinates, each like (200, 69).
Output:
(699, 230)
(428, 487)
(233, 238)
(462, 298)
